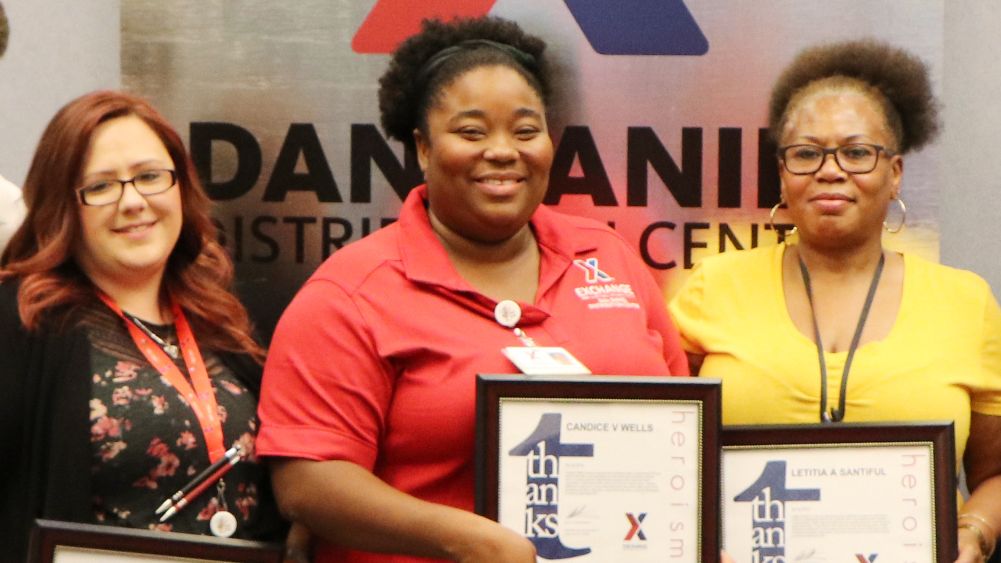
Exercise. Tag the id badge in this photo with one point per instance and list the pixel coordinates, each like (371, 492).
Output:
(552, 360)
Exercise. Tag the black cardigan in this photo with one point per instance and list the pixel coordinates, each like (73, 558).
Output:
(45, 451)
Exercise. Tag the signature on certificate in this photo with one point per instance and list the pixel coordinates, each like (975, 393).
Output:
(810, 556)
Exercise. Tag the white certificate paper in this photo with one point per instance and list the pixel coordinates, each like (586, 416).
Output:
(65, 554)
(603, 480)
(865, 503)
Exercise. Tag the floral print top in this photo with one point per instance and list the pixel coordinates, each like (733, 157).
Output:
(147, 442)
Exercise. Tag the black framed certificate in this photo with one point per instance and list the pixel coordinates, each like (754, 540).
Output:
(840, 492)
(66, 542)
(602, 468)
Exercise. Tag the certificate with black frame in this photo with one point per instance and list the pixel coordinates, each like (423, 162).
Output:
(866, 492)
(602, 468)
(67, 542)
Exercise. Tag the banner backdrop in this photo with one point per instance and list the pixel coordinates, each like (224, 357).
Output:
(658, 120)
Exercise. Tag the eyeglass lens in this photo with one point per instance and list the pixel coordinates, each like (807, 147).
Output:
(853, 158)
(150, 182)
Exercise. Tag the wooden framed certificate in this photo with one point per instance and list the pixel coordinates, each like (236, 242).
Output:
(602, 468)
(66, 542)
(840, 492)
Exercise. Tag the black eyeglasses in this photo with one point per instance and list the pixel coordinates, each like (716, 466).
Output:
(150, 182)
(854, 158)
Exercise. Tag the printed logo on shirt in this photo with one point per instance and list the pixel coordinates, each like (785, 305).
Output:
(599, 293)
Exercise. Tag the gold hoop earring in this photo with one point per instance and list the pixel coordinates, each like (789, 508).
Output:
(771, 221)
(903, 218)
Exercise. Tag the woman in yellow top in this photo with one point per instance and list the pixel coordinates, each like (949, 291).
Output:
(835, 327)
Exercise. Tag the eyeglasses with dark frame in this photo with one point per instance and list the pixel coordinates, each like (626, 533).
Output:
(106, 192)
(853, 158)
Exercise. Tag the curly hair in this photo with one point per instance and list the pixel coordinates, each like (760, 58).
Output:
(893, 77)
(407, 91)
(53, 288)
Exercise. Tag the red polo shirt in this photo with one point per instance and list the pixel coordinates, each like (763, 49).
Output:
(375, 360)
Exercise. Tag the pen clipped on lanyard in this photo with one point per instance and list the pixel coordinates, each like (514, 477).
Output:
(202, 481)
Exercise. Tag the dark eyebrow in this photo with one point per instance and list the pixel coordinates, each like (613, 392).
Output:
(479, 114)
(135, 166)
(476, 113)
(849, 139)
(527, 112)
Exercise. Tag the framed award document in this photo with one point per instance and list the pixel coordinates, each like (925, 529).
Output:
(820, 493)
(66, 542)
(602, 468)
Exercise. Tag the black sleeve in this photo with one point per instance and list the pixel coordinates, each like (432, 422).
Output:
(44, 430)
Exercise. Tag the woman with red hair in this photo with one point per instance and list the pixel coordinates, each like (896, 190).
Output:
(126, 365)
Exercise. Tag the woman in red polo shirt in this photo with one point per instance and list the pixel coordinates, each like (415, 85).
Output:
(369, 394)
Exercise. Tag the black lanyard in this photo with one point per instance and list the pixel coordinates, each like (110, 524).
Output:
(839, 414)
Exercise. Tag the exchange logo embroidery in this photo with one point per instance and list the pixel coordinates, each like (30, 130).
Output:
(594, 275)
(599, 294)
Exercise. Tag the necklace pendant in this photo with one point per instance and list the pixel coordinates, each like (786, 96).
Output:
(172, 350)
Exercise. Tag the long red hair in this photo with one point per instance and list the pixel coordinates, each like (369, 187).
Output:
(53, 287)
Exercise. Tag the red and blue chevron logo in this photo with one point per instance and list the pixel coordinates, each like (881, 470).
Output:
(612, 27)
(635, 523)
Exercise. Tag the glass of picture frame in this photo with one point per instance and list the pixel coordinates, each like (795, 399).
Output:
(866, 492)
(602, 468)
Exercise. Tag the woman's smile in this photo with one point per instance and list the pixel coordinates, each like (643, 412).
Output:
(501, 186)
(135, 230)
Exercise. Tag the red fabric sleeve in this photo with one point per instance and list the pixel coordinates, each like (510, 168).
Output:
(326, 390)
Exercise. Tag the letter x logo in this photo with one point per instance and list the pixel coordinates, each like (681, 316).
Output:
(635, 530)
(862, 559)
(594, 275)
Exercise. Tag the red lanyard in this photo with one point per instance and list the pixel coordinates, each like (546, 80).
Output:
(201, 398)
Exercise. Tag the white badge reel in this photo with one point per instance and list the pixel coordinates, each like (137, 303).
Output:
(532, 359)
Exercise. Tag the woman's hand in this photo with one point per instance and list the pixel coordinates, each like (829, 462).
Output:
(983, 477)
(298, 545)
(494, 543)
(969, 547)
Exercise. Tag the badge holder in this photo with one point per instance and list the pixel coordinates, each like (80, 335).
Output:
(223, 523)
(532, 359)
